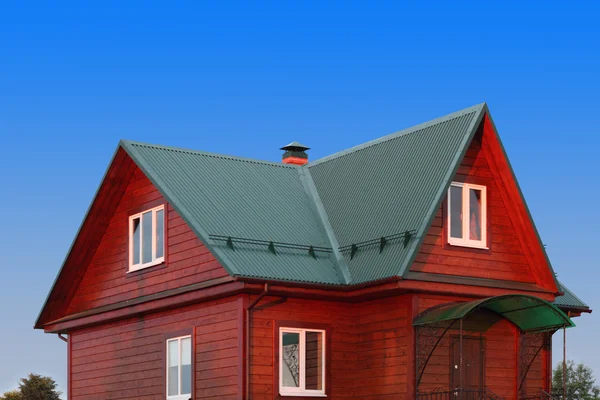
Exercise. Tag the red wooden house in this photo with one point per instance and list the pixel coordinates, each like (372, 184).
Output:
(407, 267)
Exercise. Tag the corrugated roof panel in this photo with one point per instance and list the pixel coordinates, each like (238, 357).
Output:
(569, 299)
(219, 195)
(388, 186)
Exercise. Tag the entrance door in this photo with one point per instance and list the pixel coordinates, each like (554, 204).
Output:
(473, 363)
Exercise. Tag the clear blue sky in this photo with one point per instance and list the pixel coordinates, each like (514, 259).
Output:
(244, 80)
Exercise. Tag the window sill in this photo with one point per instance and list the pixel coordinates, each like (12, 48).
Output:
(181, 397)
(135, 268)
(302, 394)
(469, 245)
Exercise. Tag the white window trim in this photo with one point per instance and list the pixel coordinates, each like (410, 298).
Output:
(155, 261)
(465, 241)
(301, 390)
(184, 396)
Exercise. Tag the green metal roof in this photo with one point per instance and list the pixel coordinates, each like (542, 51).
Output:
(569, 300)
(382, 188)
(527, 312)
(242, 198)
(392, 185)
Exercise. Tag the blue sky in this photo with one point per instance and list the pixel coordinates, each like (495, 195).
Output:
(244, 79)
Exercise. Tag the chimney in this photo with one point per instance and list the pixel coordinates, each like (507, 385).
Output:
(295, 153)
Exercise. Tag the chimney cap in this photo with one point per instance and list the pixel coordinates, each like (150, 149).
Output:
(295, 146)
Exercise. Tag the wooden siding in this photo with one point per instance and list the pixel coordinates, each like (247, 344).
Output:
(106, 280)
(383, 349)
(126, 359)
(501, 359)
(370, 346)
(370, 356)
(337, 315)
(504, 261)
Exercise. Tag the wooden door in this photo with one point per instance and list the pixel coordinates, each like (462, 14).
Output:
(473, 364)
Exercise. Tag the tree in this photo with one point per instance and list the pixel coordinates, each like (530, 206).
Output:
(579, 383)
(34, 387)
(12, 395)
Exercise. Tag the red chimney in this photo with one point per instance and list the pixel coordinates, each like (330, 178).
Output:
(295, 153)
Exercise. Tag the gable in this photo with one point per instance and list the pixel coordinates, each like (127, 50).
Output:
(106, 280)
(505, 259)
(95, 271)
(515, 252)
(88, 236)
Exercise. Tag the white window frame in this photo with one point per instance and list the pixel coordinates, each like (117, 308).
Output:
(465, 241)
(155, 260)
(301, 390)
(180, 396)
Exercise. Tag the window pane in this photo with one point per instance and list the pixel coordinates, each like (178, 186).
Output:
(290, 369)
(314, 361)
(173, 365)
(160, 223)
(146, 237)
(456, 212)
(186, 366)
(136, 241)
(475, 214)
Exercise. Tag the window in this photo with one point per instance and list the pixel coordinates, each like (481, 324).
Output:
(301, 362)
(179, 368)
(467, 215)
(146, 238)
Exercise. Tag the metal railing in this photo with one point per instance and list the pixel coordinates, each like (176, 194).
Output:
(459, 394)
(479, 394)
(542, 395)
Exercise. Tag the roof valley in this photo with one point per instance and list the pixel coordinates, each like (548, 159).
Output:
(311, 190)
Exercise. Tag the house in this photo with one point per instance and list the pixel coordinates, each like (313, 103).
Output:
(408, 267)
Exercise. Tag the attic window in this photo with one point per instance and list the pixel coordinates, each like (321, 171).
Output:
(467, 219)
(146, 238)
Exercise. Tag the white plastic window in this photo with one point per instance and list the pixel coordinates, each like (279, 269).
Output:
(301, 362)
(179, 368)
(467, 219)
(147, 238)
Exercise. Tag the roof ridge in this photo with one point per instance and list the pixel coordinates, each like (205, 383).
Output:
(205, 153)
(397, 134)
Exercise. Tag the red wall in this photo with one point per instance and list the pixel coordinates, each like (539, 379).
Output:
(337, 315)
(371, 350)
(384, 348)
(370, 346)
(106, 280)
(504, 261)
(126, 359)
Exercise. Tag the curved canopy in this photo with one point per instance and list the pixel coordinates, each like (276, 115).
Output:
(526, 312)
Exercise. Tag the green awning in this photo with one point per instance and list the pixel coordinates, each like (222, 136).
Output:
(526, 312)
